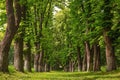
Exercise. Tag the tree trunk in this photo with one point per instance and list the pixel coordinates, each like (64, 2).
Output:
(9, 35)
(18, 54)
(84, 63)
(66, 66)
(45, 67)
(73, 64)
(96, 60)
(36, 58)
(88, 55)
(110, 55)
(48, 68)
(40, 62)
(70, 66)
(18, 46)
(79, 59)
(27, 61)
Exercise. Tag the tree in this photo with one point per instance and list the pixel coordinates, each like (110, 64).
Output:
(19, 40)
(107, 24)
(42, 14)
(12, 22)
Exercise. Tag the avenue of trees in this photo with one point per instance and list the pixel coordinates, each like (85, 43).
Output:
(68, 35)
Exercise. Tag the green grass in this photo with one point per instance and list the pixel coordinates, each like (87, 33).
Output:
(54, 75)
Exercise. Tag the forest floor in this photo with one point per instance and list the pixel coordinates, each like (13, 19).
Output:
(55, 75)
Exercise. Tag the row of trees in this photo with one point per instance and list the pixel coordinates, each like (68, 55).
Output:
(65, 34)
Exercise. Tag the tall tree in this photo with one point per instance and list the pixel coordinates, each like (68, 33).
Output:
(41, 13)
(18, 44)
(12, 26)
(107, 24)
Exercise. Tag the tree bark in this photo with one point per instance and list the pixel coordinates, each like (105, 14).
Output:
(36, 58)
(27, 55)
(46, 67)
(84, 63)
(79, 59)
(9, 35)
(18, 54)
(70, 66)
(110, 55)
(40, 62)
(96, 59)
(88, 56)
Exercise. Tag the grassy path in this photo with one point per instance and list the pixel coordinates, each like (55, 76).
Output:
(114, 75)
